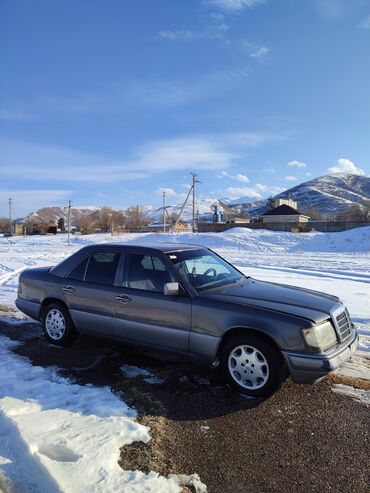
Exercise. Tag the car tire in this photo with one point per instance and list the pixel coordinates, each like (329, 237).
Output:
(57, 324)
(252, 365)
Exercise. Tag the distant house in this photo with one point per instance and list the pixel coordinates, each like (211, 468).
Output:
(273, 203)
(52, 227)
(158, 228)
(284, 214)
(20, 228)
(238, 220)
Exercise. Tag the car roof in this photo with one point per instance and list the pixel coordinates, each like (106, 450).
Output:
(159, 246)
(72, 261)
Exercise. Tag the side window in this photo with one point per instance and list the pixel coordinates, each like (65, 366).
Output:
(146, 272)
(102, 268)
(78, 272)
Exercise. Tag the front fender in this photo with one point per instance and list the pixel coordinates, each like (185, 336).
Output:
(213, 319)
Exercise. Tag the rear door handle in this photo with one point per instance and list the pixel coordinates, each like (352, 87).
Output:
(68, 289)
(123, 298)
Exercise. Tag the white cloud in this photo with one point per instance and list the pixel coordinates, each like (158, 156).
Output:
(253, 50)
(181, 34)
(135, 95)
(168, 191)
(242, 178)
(214, 31)
(260, 53)
(171, 193)
(270, 171)
(346, 166)
(258, 191)
(365, 24)
(238, 177)
(239, 192)
(290, 178)
(28, 161)
(332, 9)
(297, 164)
(235, 5)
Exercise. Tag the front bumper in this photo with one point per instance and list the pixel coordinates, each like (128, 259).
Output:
(310, 368)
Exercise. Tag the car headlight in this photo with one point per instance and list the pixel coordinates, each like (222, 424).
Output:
(320, 336)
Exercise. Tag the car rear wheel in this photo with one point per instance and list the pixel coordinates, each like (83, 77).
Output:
(57, 325)
(252, 365)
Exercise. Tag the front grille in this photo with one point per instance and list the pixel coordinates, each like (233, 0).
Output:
(343, 324)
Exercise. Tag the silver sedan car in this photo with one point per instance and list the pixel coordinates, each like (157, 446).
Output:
(187, 299)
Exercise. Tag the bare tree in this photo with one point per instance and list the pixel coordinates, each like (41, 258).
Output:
(86, 224)
(105, 219)
(135, 217)
(314, 214)
(4, 225)
(36, 226)
(356, 213)
(61, 224)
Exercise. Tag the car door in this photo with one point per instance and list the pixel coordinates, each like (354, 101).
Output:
(90, 293)
(143, 313)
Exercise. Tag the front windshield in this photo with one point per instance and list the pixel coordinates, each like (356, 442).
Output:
(204, 269)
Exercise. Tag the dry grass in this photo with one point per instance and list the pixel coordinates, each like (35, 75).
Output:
(357, 383)
(7, 309)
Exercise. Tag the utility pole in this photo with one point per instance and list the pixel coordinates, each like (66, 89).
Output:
(69, 220)
(194, 195)
(164, 211)
(194, 188)
(10, 217)
(112, 224)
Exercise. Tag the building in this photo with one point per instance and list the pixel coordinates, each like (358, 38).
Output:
(238, 220)
(284, 214)
(273, 203)
(20, 228)
(52, 227)
(159, 228)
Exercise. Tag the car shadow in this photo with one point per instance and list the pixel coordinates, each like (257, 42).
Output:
(153, 382)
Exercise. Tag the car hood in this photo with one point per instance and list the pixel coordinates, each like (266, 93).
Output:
(312, 305)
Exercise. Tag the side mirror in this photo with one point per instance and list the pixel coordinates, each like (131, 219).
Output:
(172, 289)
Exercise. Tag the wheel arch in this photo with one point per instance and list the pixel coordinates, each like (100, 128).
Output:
(237, 331)
(47, 301)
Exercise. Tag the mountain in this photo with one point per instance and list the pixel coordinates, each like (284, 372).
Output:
(203, 210)
(54, 213)
(329, 194)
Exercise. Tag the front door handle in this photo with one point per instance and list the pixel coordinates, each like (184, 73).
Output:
(68, 289)
(123, 298)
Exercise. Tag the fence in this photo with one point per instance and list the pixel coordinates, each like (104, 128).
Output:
(322, 226)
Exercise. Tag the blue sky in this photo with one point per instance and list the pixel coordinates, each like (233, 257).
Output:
(109, 102)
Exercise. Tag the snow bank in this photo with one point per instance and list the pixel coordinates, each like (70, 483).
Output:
(359, 395)
(59, 436)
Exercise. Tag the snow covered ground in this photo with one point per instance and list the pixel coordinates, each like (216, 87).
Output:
(52, 430)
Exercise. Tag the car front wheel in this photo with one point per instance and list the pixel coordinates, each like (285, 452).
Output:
(252, 365)
(57, 325)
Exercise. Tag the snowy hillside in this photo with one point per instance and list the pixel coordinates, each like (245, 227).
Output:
(330, 194)
(203, 210)
(55, 213)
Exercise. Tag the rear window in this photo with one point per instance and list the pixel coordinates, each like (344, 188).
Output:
(78, 272)
(102, 268)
